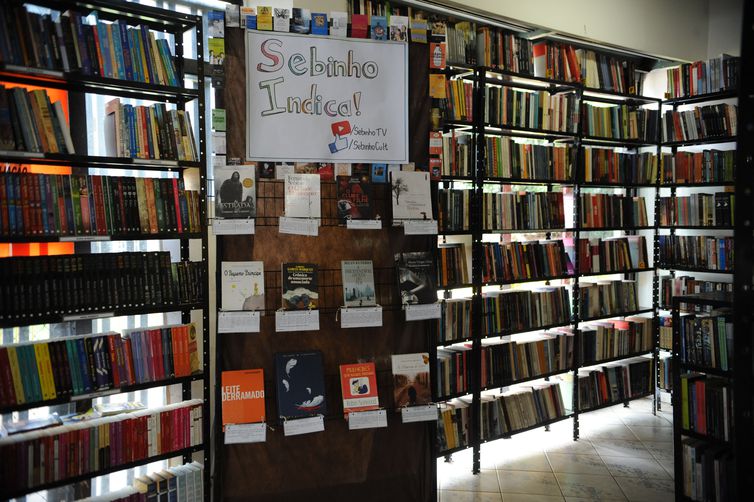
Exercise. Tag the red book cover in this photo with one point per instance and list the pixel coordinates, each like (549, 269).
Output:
(437, 55)
(7, 391)
(358, 383)
(359, 24)
(128, 362)
(177, 204)
(186, 348)
(115, 369)
(243, 396)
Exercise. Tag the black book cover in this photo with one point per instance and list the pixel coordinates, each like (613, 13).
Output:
(300, 384)
(300, 290)
(416, 277)
(354, 198)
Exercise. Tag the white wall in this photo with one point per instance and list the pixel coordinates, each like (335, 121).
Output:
(725, 24)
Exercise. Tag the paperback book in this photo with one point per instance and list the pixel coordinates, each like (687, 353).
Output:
(354, 198)
(358, 283)
(242, 285)
(242, 395)
(416, 277)
(235, 192)
(410, 196)
(301, 20)
(338, 24)
(302, 196)
(300, 383)
(411, 379)
(300, 290)
(282, 19)
(358, 384)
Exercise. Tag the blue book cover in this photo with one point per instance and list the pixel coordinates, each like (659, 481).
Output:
(10, 191)
(74, 366)
(379, 173)
(167, 60)
(125, 48)
(119, 64)
(104, 44)
(379, 29)
(144, 41)
(78, 25)
(319, 23)
(300, 383)
(251, 22)
(84, 365)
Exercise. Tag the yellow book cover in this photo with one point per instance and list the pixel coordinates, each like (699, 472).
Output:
(43, 362)
(47, 366)
(45, 114)
(437, 86)
(264, 18)
(16, 371)
(156, 57)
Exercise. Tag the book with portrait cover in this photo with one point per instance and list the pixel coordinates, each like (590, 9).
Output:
(358, 283)
(235, 192)
(242, 393)
(302, 195)
(242, 285)
(300, 384)
(354, 198)
(410, 196)
(300, 291)
(411, 379)
(416, 277)
(358, 384)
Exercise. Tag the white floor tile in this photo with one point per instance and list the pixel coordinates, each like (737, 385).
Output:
(530, 461)
(620, 448)
(485, 481)
(635, 467)
(646, 489)
(577, 464)
(532, 483)
(523, 497)
(459, 496)
(589, 486)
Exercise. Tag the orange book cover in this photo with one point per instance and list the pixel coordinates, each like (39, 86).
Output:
(243, 396)
(358, 384)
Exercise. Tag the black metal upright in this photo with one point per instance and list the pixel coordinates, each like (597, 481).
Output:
(575, 292)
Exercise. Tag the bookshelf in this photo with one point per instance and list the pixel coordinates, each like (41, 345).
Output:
(106, 293)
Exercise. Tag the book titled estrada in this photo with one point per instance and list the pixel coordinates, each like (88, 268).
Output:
(242, 285)
(300, 383)
(358, 283)
(300, 291)
(411, 379)
(235, 192)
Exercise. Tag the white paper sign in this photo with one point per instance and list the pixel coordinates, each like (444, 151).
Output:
(93, 395)
(299, 226)
(420, 227)
(323, 99)
(361, 317)
(246, 321)
(422, 312)
(245, 433)
(371, 419)
(364, 224)
(296, 320)
(230, 226)
(85, 238)
(83, 317)
(303, 425)
(426, 413)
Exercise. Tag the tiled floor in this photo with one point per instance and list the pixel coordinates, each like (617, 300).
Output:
(623, 454)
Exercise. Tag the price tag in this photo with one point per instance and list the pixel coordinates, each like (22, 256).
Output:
(360, 317)
(299, 226)
(238, 322)
(229, 226)
(245, 433)
(422, 312)
(364, 224)
(426, 413)
(304, 425)
(296, 320)
(371, 419)
(420, 227)
(91, 315)
(84, 238)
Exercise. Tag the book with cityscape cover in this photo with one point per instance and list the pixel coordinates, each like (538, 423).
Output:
(354, 197)
(358, 384)
(410, 196)
(300, 291)
(411, 379)
(302, 196)
(358, 283)
(242, 395)
(235, 192)
(242, 285)
(416, 277)
(300, 384)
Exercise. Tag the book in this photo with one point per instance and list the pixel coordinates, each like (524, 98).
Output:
(300, 290)
(399, 28)
(358, 385)
(358, 283)
(416, 277)
(33, 424)
(300, 384)
(216, 51)
(418, 29)
(301, 20)
(242, 285)
(248, 18)
(437, 53)
(302, 196)
(109, 409)
(410, 196)
(232, 16)
(264, 18)
(281, 19)
(218, 119)
(354, 198)
(235, 191)
(411, 384)
(242, 393)
(216, 23)
(359, 25)
(339, 24)
(379, 28)
(319, 23)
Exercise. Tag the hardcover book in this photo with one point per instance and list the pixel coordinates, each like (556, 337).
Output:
(410, 196)
(235, 192)
(232, 16)
(359, 25)
(411, 379)
(301, 20)
(354, 198)
(300, 290)
(358, 283)
(302, 195)
(416, 277)
(358, 384)
(242, 285)
(242, 394)
(300, 383)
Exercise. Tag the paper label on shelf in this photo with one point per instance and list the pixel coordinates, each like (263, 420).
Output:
(371, 419)
(361, 317)
(230, 226)
(155, 161)
(245, 433)
(364, 224)
(93, 395)
(426, 413)
(299, 226)
(420, 227)
(84, 238)
(423, 312)
(303, 425)
(91, 315)
(246, 321)
(296, 320)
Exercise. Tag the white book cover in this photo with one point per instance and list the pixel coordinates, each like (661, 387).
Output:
(358, 283)
(281, 19)
(399, 28)
(235, 191)
(338, 24)
(411, 384)
(242, 285)
(302, 196)
(410, 196)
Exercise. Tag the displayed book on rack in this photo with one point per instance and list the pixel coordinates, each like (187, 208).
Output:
(611, 384)
(416, 277)
(698, 209)
(242, 395)
(599, 210)
(457, 154)
(460, 105)
(684, 285)
(610, 255)
(354, 198)
(453, 424)
(526, 357)
(69, 284)
(607, 298)
(455, 320)
(707, 405)
(528, 406)
(182, 483)
(452, 265)
(602, 165)
(107, 442)
(303, 196)
(411, 384)
(410, 196)
(718, 74)
(300, 289)
(453, 210)
(31, 122)
(708, 166)
(454, 371)
(665, 373)
(235, 191)
(707, 341)
(609, 339)
(506, 106)
(519, 310)
(242, 285)
(523, 211)
(621, 122)
(701, 122)
(358, 385)
(515, 261)
(707, 470)
(508, 158)
(300, 384)
(696, 251)
(503, 50)
(358, 283)
(79, 205)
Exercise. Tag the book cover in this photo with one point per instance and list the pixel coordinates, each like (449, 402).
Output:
(232, 16)
(437, 55)
(242, 285)
(216, 23)
(302, 195)
(301, 20)
(282, 19)
(379, 173)
(418, 29)
(358, 283)
(264, 18)
(248, 18)
(416, 277)
(319, 23)
(300, 384)
(354, 198)
(242, 394)
(358, 384)
(359, 25)
(410, 196)
(218, 119)
(437, 86)
(216, 50)
(379, 28)
(300, 290)
(411, 379)
(399, 28)
(339, 24)
(235, 192)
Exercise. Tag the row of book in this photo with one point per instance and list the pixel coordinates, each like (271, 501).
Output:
(75, 42)
(707, 166)
(698, 209)
(452, 266)
(31, 122)
(621, 122)
(149, 132)
(523, 211)
(709, 471)
(459, 100)
(454, 208)
(706, 405)
(702, 122)
(503, 50)
(455, 321)
(181, 483)
(665, 374)
(78, 365)
(707, 340)
(608, 166)
(506, 106)
(685, 285)
(519, 310)
(599, 210)
(460, 38)
(606, 298)
(611, 384)
(703, 77)
(454, 370)
(507, 158)
(696, 251)
(96, 444)
(613, 338)
(458, 154)
(666, 332)
(71, 284)
(515, 261)
(529, 356)
(610, 255)
(526, 407)
(453, 422)
(81, 205)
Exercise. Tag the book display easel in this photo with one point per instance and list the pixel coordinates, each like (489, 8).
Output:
(79, 207)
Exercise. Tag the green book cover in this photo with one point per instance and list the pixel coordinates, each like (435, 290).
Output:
(159, 206)
(76, 200)
(218, 119)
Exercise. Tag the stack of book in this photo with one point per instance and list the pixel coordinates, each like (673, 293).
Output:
(506, 106)
(708, 471)
(454, 370)
(455, 322)
(702, 122)
(604, 71)
(608, 166)
(665, 377)
(453, 424)
(460, 102)
(524, 261)
(703, 77)
(557, 61)
(528, 406)
(461, 39)
(507, 158)
(622, 122)
(610, 339)
(518, 310)
(706, 405)
(709, 166)
(600, 210)
(523, 211)
(699, 210)
(182, 483)
(613, 383)
(696, 251)
(31, 122)
(666, 332)
(607, 298)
